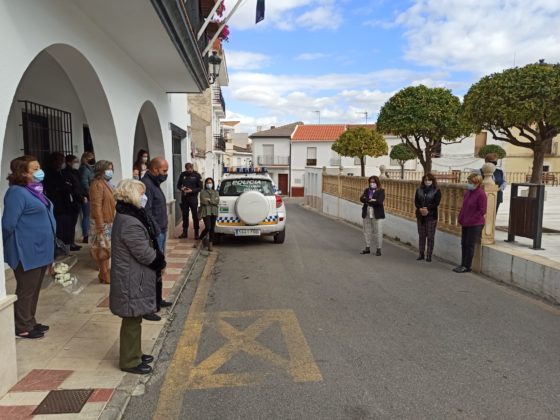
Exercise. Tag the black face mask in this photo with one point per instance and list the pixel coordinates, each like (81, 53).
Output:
(162, 178)
(495, 163)
(91, 162)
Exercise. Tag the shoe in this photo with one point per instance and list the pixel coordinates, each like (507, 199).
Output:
(75, 247)
(196, 243)
(33, 334)
(210, 247)
(141, 369)
(41, 328)
(420, 257)
(165, 304)
(378, 252)
(152, 317)
(365, 251)
(103, 280)
(85, 240)
(429, 258)
(147, 358)
(183, 235)
(196, 236)
(462, 269)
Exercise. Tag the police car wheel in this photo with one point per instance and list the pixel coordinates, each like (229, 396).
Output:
(280, 237)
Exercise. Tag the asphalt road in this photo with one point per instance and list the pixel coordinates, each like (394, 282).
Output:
(312, 330)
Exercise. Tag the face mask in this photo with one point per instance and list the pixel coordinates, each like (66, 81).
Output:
(470, 186)
(143, 200)
(63, 166)
(144, 159)
(495, 163)
(91, 162)
(108, 174)
(162, 177)
(428, 183)
(209, 186)
(373, 185)
(76, 166)
(38, 175)
(136, 177)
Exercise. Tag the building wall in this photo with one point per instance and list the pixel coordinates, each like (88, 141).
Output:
(281, 146)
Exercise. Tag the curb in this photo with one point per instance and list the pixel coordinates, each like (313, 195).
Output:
(115, 408)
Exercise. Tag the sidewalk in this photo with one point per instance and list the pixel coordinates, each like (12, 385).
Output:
(80, 352)
(551, 220)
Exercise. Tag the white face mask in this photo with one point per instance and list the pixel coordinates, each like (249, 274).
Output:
(143, 200)
(76, 166)
(428, 183)
(373, 185)
(209, 186)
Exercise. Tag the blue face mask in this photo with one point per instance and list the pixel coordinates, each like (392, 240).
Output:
(108, 174)
(38, 175)
(470, 186)
(143, 200)
(209, 186)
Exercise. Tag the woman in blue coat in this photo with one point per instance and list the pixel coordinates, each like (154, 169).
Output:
(28, 227)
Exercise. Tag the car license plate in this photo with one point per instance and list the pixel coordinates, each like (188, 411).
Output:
(247, 232)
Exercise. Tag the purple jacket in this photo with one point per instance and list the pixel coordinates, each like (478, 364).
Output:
(474, 208)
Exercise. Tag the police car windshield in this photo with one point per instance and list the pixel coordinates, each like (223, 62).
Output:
(236, 187)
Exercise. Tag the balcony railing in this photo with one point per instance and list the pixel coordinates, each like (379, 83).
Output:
(220, 143)
(218, 97)
(273, 160)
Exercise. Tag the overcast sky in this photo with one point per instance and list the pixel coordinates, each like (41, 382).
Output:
(347, 57)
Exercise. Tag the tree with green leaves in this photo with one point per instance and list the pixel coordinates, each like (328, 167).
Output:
(360, 142)
(520, 106)
(402, 153)
(492, 148)
(424, 118)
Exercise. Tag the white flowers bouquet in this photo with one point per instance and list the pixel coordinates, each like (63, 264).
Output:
(63, 277)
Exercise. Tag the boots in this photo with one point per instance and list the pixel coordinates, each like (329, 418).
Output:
(210, 247)
(420, 257)
(365, 251)
(196, 243)
(196, 234)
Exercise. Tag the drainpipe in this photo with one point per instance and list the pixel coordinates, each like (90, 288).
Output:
(290, 171)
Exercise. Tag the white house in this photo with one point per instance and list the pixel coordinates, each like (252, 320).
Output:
(272, 149)
(82, 75)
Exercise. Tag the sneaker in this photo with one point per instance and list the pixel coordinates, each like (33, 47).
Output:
(41, 328)
(461, 269)
(33, 334)
(152, 317)
(75, 247)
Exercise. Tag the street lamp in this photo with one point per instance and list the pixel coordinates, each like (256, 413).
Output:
(214, 62)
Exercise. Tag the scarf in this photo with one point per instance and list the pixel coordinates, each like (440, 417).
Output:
(371, 192)
(142, 216)
(36, 188)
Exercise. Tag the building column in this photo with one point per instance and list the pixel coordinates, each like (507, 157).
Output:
(8, 361)
(491, 190)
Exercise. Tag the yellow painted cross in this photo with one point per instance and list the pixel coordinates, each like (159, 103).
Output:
(300, 363)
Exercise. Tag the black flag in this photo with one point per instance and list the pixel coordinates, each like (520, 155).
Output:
(260, 11)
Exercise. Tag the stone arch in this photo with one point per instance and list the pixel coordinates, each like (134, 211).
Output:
(148, 134)
(83, 93)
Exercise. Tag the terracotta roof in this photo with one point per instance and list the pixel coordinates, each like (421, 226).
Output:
(318, 132)
(282, 131)
(241, 149)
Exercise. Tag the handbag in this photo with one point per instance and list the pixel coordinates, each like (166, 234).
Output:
(60, 248)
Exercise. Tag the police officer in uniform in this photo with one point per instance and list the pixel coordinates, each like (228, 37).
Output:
(190, 184)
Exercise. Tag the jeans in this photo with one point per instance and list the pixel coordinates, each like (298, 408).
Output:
(373, 228)
(209, 226)
(85, 219)
(162, 238)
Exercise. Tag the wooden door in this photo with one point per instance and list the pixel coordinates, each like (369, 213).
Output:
(283, 183)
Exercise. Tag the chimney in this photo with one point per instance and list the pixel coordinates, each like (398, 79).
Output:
(272, 127)
(259, 128)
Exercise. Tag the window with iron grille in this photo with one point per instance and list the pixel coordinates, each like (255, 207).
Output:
(45, 130)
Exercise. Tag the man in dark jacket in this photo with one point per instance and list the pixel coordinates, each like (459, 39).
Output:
(156, 208)
(190, 184)
(498, 177)
(79, 194)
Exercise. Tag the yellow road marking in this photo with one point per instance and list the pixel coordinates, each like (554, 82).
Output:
(183, 374)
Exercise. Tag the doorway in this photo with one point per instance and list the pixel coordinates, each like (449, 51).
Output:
(283, 183)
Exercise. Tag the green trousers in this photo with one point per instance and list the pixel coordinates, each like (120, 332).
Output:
(130, 353)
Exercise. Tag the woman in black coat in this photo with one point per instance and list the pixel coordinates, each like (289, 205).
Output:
(426, 200)
(373, 214)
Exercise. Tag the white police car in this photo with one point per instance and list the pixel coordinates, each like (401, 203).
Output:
(249, 205)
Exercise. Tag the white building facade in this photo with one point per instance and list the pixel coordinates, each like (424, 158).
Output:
(81, 75)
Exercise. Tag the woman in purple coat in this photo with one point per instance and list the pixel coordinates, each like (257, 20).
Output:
(471, 219)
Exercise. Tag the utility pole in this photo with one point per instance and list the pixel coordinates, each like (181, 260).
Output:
(365, 113)
(319, 115)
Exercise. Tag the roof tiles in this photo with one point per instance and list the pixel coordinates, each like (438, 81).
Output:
(321, 132)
